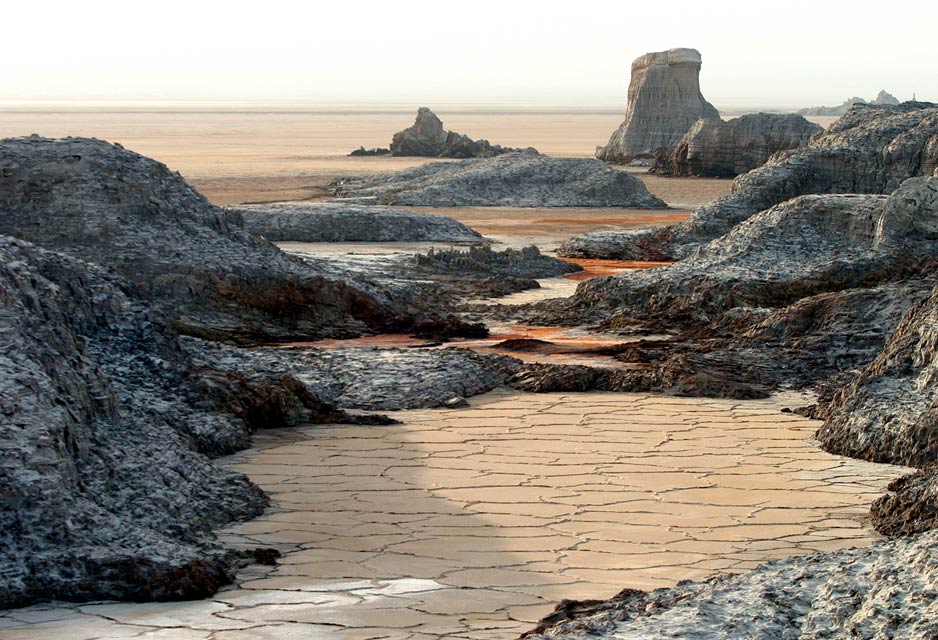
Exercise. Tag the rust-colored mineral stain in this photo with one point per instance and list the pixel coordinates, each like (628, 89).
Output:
(595, 268)
(630, 219)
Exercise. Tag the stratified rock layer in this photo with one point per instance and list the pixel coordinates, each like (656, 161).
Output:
(513, 180)
(664, 103)
(870, 150)
(428, 138)
(341, 222)
(726, 149)
(190, 258)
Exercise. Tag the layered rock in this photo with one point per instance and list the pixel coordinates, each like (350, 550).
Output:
(193, 260)
(512, 180)
(726, 149)
(427, 138)
(107, 425)
(664, 102)
(342, 222)
(870, 150)
(884, 590)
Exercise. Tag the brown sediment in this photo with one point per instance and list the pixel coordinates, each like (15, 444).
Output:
(677, 217)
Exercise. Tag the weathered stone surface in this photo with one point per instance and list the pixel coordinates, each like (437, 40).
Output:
(885, 590)
(107, 491)
(911, 506)
(190, 258)
(428, 138)
(664, 103)
(803, 247)
(512, 180)
(873, 149)
(726, 149)
(341, 222)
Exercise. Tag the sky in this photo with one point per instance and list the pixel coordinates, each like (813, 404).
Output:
(544, 53)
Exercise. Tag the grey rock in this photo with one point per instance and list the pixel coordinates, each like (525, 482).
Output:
(884, 590)
(802, 247)
(726, 149)
(882, 98)
(370, 378)
(873, 149)
(105, 437)
(664, 103)
(190, 258)
(345, 222)
(512, 180)
(428, 138)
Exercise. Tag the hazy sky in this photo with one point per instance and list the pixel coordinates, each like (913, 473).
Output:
(574, 53)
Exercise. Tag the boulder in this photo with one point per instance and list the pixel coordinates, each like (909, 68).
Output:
(345, 222)
(873, 149)
(513, 180)
(664, 102)
(715, 148)
(427, 138)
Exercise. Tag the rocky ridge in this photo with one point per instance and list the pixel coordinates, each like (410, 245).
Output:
(721, 149)
(343, 222)
(883, 98)
(872, 149)
(664, 102)
(511, 180)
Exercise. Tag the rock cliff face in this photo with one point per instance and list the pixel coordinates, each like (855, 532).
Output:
(428, 138)
(190, 258)
(341, 222)
(884, 590)
(664, 103)
(513, 180)
(108, 490)
(726, 149)
(870, 150)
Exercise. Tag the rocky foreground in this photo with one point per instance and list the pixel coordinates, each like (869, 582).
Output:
(513, 180)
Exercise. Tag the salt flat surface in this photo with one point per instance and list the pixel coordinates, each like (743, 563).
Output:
(473, 523)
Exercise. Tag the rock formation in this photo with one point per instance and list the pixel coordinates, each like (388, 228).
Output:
(427, 138)
(882, 98)
(884, 590)
(190, 258)
(512, 180)
(726, 149)
(107, 425)
(342, 222)
(873, 149)
(664, 103)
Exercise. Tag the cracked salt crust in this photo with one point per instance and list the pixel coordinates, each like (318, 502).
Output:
(473, 523)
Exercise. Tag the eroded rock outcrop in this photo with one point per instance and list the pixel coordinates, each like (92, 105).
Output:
(872, 149)
(726, 149)
(341, 222)
(882, 98)
(664, 103)
(191, 259)
(427, 138)
(884, 590)
(512, 180)
(107, 427)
